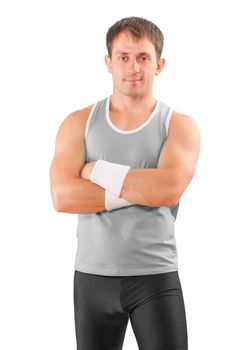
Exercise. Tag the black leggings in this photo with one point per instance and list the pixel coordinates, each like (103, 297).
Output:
(153, 303)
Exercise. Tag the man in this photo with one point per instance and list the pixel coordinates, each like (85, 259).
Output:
(123, 164)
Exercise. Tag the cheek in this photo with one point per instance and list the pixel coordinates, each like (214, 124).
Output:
(150, 75)
(117, 75)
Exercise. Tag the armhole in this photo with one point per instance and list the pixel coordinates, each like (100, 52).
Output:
(168, 120)
(89, 119)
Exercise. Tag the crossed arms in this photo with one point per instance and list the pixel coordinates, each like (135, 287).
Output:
(73, 192)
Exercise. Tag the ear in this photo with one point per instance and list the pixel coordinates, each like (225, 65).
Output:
(108, 62)
(159, 65)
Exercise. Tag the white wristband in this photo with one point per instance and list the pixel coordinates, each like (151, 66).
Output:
(114, 202)
(109, 175)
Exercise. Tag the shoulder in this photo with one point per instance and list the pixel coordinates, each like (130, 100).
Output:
(80, 115)
(184, 130)
(182, 123)
(75, 122)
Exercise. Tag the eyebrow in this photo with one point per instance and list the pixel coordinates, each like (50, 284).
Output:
(126, 53)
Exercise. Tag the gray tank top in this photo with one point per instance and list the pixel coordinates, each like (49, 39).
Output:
(133, 240)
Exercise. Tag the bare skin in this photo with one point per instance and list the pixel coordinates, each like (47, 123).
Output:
(131, 103)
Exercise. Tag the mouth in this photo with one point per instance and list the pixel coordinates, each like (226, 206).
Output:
(132, 81)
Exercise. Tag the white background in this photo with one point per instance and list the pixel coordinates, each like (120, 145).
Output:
(52, 63)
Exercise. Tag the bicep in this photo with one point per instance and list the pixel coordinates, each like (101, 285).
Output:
(181, 149)
(69, 155)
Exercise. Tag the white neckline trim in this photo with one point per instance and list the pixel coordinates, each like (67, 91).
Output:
(168, 120)
(89, 119)
(128, 131)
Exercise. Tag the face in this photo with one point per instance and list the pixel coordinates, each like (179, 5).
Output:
(133, 65)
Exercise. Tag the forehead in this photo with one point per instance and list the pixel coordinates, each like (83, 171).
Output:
(126, 43)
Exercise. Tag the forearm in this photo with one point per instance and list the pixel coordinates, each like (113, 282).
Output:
(79, 196)
(151, 187)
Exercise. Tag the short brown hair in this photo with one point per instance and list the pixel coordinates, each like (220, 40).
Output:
(139, 28)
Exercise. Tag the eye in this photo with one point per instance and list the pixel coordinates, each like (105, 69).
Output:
(144, 58)
(123, 58)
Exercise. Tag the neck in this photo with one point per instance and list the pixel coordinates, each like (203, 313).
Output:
(132, 104)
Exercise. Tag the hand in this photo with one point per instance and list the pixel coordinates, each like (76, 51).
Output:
(86, 170)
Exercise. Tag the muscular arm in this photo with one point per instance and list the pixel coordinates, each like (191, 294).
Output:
(70, 193)
(165, 185)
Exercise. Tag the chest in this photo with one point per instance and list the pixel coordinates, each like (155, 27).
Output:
(139, 149)
(129, 122)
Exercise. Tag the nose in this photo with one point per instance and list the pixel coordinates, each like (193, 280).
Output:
(133, 66)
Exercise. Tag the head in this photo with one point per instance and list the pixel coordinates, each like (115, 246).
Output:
(134, 48)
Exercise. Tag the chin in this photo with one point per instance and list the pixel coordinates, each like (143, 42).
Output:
(133, 93)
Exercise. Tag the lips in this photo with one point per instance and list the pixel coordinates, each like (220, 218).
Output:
(132, 80)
